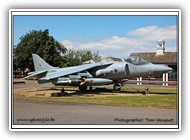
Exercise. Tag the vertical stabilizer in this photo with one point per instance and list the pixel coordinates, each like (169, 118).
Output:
(40, 64)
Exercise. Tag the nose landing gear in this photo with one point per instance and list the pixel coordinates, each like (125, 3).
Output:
(117, 87)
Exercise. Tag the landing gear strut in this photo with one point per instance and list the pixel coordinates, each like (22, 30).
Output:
(117, 87)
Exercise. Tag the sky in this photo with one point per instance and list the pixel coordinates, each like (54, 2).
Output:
(116, 36)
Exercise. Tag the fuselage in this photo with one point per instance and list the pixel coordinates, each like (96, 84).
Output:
(107, 74)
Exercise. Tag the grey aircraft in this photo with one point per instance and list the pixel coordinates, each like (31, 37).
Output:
(95, 73)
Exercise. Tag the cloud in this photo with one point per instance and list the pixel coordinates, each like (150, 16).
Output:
(154, 32)
(139, 40)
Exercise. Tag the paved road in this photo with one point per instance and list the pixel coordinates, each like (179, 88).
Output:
(43, 112)
(30, 84)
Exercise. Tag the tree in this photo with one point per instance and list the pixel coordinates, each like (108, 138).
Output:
(76, 57)
(41, 43)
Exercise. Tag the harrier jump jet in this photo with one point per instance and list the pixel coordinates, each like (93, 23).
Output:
(95, 73)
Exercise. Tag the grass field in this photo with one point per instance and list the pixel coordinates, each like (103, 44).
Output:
(167, 98)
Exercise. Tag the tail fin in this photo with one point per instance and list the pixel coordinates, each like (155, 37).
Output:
(40, 64)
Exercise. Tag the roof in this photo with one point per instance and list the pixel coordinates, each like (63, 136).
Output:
(110, 59)
(166, 58)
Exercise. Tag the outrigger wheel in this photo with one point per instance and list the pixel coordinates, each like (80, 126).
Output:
(62, 90)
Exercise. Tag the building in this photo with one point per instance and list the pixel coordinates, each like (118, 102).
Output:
(161, 57)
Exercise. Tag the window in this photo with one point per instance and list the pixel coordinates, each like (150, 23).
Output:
(136, 60)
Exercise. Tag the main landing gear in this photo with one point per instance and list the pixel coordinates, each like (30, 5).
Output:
(81, 88)
(84, 88)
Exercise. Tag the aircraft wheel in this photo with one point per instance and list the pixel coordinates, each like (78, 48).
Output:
(82, 88)
(62, 90)
(90, 88)
(117, 87)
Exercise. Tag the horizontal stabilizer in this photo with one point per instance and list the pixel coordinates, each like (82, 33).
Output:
(32, 74)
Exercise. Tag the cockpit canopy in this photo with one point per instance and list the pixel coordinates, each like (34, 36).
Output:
(136, 60)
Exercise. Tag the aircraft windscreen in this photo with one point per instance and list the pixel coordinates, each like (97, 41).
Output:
(136, 60)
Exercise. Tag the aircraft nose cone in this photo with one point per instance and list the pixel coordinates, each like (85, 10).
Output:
(162, 68)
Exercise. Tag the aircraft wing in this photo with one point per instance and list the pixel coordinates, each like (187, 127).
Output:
(71, 70)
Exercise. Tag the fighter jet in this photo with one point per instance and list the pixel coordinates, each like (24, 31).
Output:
(96, 73)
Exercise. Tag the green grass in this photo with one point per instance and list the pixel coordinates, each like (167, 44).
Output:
(158, 98)
(155, 101)
(153, 91)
